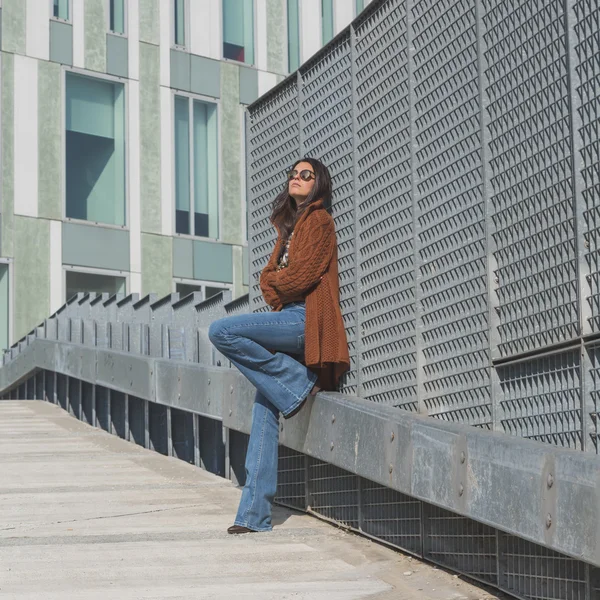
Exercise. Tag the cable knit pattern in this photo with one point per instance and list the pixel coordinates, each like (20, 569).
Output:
(312, 276)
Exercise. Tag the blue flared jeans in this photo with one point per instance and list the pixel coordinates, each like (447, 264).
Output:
(262, 346)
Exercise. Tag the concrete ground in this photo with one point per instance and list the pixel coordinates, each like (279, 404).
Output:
(86, 515)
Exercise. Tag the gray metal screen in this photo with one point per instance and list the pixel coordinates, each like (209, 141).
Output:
(463, 141)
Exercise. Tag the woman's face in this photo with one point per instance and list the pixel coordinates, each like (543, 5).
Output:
(301, 183)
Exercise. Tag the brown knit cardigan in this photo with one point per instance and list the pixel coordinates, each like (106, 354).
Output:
(312, 276)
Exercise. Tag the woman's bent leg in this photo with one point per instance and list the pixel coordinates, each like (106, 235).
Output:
(254, 511)
(244, 339)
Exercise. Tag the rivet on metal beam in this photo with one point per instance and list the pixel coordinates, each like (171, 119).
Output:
(548, 521)
(462, 457)
(550, 480)
(209, 381)
(230, 412)
(333, 418)
(391, 468)
(331, 447)
(231, 389)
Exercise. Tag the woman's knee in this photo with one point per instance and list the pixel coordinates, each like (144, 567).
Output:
(217, 331)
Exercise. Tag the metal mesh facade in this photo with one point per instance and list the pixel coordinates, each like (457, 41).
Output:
(463, 141)
(460, 543)
(385, 261)
(535, 572)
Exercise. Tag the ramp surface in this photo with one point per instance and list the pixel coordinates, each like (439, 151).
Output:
(86, 515)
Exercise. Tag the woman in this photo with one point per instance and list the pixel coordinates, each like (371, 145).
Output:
(298, 348)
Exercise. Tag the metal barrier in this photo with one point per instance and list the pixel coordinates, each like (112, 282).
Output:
(511, 512)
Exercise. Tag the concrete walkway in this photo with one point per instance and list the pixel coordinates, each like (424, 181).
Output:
(86, 515)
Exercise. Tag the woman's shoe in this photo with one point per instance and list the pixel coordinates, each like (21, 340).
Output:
(316, 389)
(239, 529)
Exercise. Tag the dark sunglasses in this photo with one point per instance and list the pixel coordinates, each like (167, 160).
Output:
(305, 174)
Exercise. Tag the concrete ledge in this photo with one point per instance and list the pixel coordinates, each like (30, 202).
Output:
(539, 492)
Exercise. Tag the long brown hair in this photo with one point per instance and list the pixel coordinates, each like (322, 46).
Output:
(285, 214)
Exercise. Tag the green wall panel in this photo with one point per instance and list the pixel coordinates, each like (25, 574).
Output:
(150, 137)
(213, 262)
(183, 258)
(231, 142)
(49, 140)
(95, 35)
(238, 268)
(150, 21)
(248, 85)
(61, 42)
(245, 265)
(8, 179)
(205, 76)
(276, 36)
(156, 264)
(31, 273)
(94, 246)
(180, 70)
(13, 26)
(117, 55)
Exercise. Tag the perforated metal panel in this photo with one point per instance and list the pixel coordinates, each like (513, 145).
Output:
(531, 160)
(450, 213)
(594, 401)
(532, 571)
(542, 399)
(595, 584)
(291, 479)
(327, 134)
(460, 543)
(385, 236)
(587, 30)
(273, 146)
(333, 492)
(391, 516)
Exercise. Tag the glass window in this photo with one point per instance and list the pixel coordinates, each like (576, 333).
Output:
(61, 9)
(196, 168)
(327, 20)
(95, 150)
(293, 35)
(117, 16)
(185, 289)
(238, 30)
(360, 6)
(4, 301)
(92, 282)
(213, 291)
(179, 22)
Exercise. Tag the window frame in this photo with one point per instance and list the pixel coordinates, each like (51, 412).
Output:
(244, 176)
(125, 19)
(92, 271)
(287, 32)
(253, 64)
(207, 100)
(59, 19)
(186, 25)
(333, 23)
(63, 181)
(9, 262)
(203, 283)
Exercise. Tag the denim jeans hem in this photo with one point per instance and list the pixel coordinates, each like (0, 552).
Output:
(304, 395)
(241, 524)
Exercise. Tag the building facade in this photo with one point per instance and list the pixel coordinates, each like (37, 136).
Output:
(122, 141)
